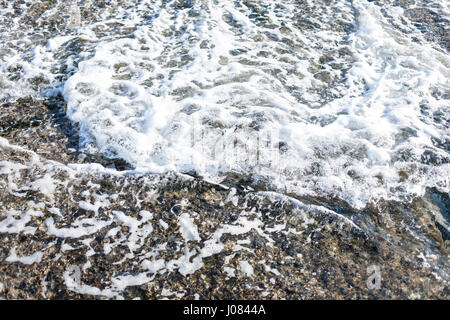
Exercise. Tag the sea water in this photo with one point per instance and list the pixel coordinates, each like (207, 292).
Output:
(346, 99)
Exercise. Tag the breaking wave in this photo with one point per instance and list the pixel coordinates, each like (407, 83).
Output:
(340, 98)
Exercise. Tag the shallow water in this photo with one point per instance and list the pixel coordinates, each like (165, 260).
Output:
(346, 99)
(334, 104)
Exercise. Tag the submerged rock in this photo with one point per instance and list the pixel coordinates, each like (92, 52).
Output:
(42, 126)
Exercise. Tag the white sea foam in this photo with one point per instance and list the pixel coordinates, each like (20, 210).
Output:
(34, 258)
(188, 228)
(211, 88)
(246, 268)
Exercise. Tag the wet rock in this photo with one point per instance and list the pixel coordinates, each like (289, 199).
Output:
(129, 242)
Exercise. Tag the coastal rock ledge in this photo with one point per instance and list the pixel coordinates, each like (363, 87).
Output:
(74, 225)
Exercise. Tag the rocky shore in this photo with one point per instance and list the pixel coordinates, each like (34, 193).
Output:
(76, 225)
